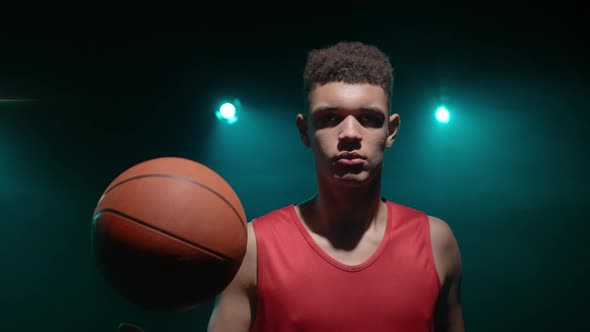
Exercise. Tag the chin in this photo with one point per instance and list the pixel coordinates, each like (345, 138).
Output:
(352, 180)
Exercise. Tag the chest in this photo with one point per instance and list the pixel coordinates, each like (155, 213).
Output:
(350, 251)
(308, 293)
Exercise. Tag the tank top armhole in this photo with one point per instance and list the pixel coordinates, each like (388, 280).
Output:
(258, 245)
(431, 261)
(257, 279)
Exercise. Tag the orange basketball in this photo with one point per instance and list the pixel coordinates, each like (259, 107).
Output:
(169, 234)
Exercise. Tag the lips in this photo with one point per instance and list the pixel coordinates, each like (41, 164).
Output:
(350, 162)
(349, 155)
(349, 159)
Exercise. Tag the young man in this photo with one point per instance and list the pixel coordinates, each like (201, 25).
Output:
(346, 259)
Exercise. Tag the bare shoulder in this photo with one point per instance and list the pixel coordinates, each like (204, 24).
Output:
(448, 313)
(441, 233)
(445, 248)
(245, 278)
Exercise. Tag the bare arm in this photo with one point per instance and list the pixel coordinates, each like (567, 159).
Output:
(236, 305)
(448, 314)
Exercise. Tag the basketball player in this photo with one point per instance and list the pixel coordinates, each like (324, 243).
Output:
(347, 259)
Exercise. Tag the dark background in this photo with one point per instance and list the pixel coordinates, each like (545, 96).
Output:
(105, 89)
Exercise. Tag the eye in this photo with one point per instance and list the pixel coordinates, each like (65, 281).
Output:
(330, 118)
(371, 120)
(327, 120)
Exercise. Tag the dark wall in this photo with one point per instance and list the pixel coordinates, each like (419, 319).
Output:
(104, 92)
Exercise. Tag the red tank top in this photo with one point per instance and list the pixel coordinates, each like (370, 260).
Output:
(302, 288)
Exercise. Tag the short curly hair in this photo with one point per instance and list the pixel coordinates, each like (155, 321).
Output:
(348, 62)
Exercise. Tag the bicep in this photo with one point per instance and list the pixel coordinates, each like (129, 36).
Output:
(448, 313)
(233, 312)
(235, 306)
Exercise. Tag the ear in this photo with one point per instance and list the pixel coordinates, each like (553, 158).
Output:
(303, 129)
(393, 126)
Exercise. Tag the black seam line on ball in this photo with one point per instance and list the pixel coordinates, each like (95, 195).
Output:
(174, 236)
(182, 179)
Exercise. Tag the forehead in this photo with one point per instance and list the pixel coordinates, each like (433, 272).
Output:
(346, 96)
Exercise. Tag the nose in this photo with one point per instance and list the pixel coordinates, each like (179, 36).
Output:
(350, 130)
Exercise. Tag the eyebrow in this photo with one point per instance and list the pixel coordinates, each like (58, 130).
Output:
(322, 109)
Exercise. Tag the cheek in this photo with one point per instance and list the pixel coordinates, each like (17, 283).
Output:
(323, 141)
(378, 141)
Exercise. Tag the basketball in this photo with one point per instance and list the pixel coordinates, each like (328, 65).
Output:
(169, 234)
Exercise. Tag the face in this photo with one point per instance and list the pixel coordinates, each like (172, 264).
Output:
(348, 128)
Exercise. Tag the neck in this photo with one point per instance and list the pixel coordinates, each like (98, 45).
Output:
(344, 209)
